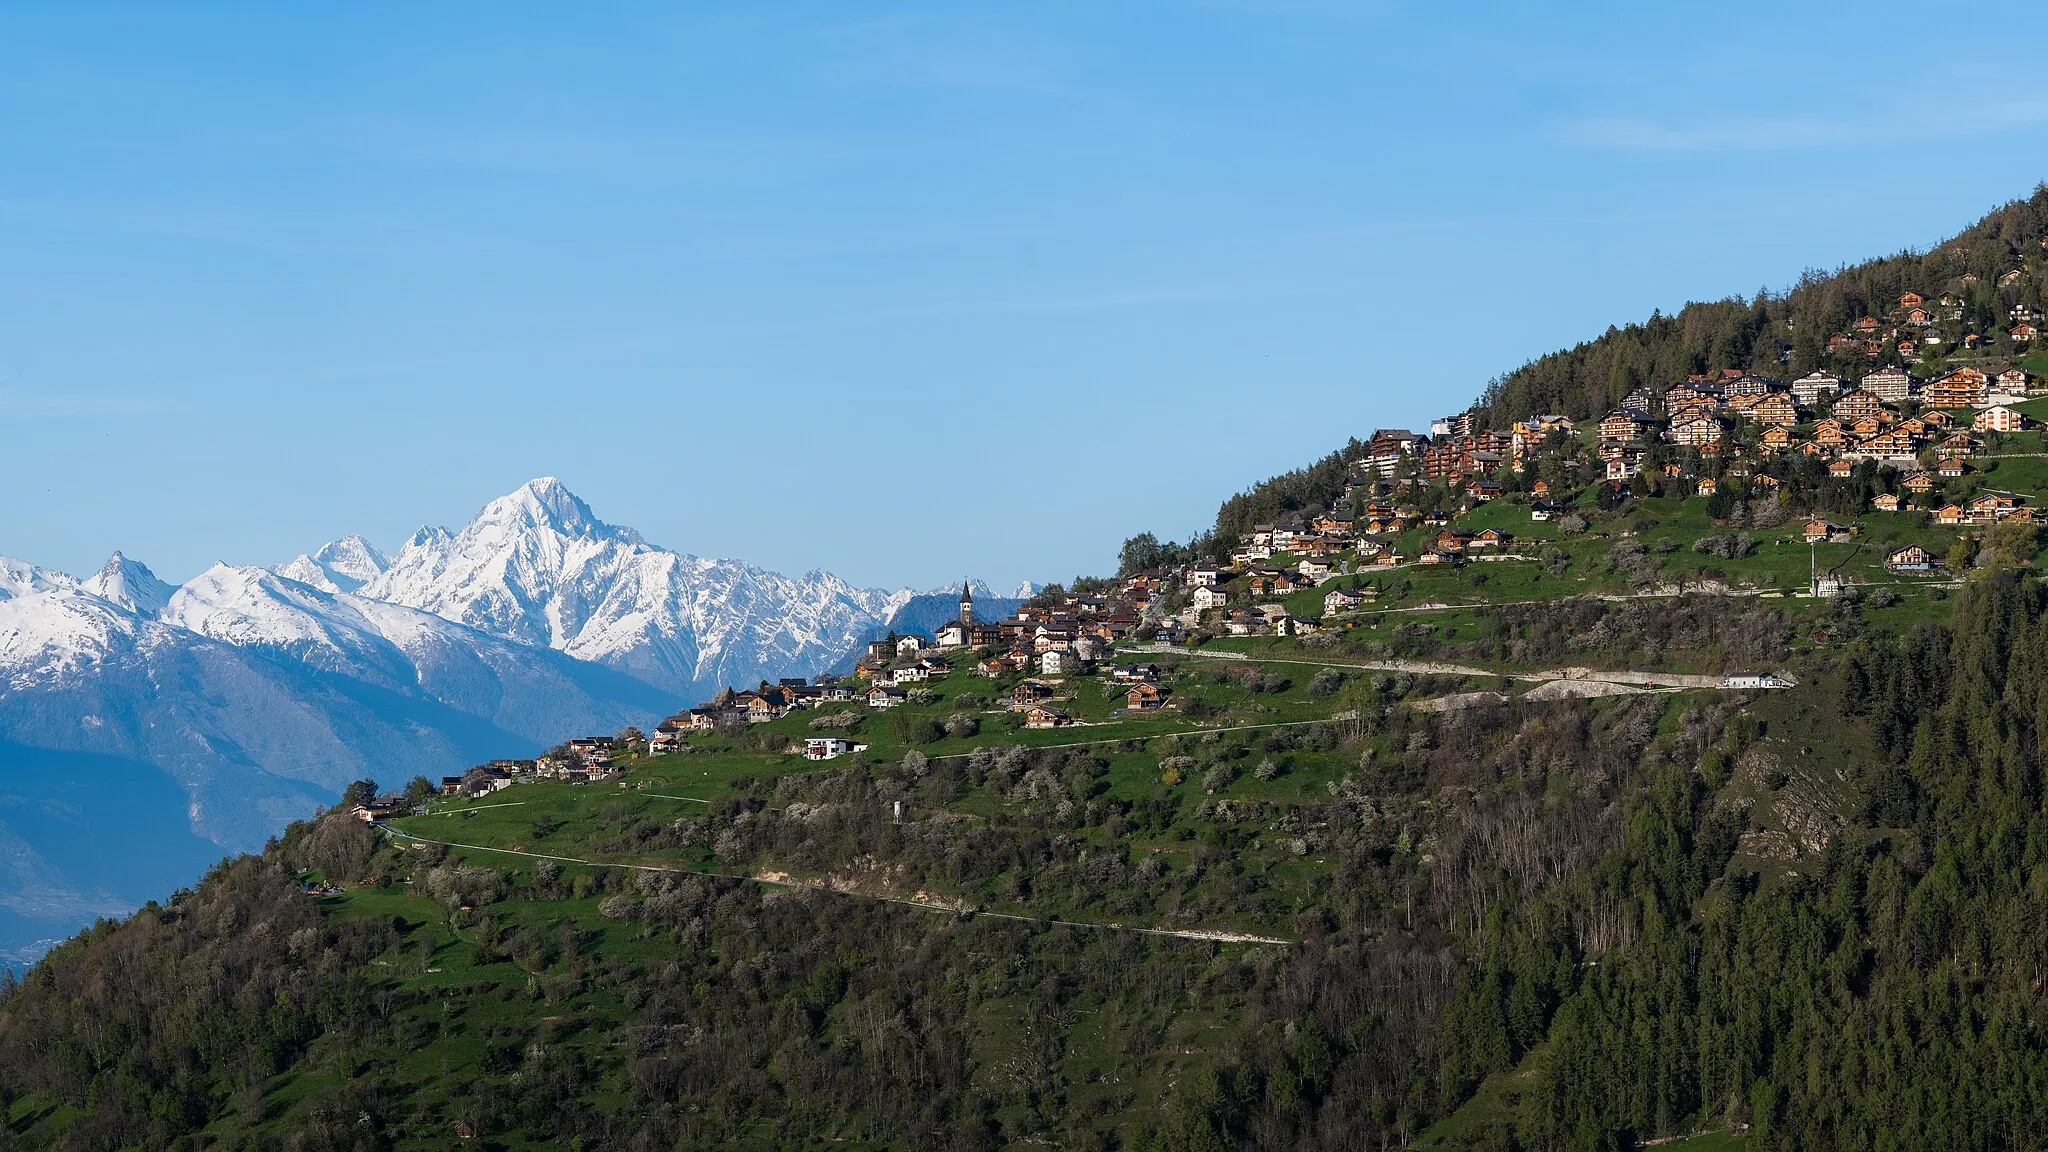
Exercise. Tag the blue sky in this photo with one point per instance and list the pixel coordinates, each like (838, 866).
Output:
(897, 292)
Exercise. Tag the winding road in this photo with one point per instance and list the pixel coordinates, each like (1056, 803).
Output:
(783, 880)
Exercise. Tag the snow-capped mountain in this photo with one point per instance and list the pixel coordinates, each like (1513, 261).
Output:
(343, 566)
(129, 584)
(136, 745)
(537, 566)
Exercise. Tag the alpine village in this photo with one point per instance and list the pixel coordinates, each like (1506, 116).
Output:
(1649, 754)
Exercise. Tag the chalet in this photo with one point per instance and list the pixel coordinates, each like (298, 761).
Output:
(1451, 540)
(1950, 466)
(829, 747)
(1911, 558)
(1207, 597)
(1776, 409)
(1489, 538)
(1317, 571)
(1855, 404)
(1818, 530)
(1135, 673)
(1540, 511)
(1245, 622)
(1703, 433)
(1388, 446)
(910, 674)
(1271, 582)
(1692, 410)
(1764, 481)
(2010, 278)
(1145, 698)
(1842, 469)
(1691, 392)
(1290, 625)
(1040, 716)
(1885, 502)
(1962, 388)
(1934, 419)
(1999, 418)
(1867, 324)
(1919, 317)
(1868, 426)
(1030, 692)
(1540, 489)
(1706, 486)
(1777, 439)
(760, 709)
(883, 697)
(1749, 385)
(1991, 507)
(2014, 382)
(1918, 483)
(1623, 463)
(2021, 333)
(1002, 665)
(1439, 556)
(1912, 300)
(1625, 424)
(1058, 663)
(1341, 600)
(1893, 447)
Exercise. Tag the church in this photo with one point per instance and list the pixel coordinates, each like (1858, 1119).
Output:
(966, 631)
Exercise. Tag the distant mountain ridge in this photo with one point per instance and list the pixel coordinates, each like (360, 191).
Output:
(260, 692)
(537, 566)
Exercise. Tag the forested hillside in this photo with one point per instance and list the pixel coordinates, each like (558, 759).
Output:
(1997, 263)
(1786, 335)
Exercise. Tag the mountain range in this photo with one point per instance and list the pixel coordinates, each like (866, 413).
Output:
(145, 729)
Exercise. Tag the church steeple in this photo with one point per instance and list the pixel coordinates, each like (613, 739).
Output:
(966, 604)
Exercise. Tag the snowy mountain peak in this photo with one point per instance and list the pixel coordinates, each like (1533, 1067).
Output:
(19, 578)
(539, 567)
(130, 584)
(342, 566)
(546, 504)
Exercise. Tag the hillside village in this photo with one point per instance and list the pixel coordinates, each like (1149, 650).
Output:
(1889, 457)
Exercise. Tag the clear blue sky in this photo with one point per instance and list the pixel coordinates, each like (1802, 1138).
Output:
(898, 292)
